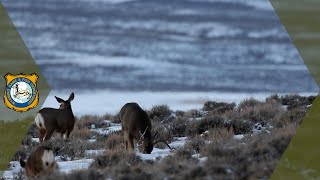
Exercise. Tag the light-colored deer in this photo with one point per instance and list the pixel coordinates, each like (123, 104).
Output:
(136, 125)
(49, 120)
(40, 161)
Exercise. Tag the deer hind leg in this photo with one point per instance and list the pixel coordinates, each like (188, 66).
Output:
(42, 133)
(61, 134)
(126, 139)
(131, 143)
(48, 134)
(68, 133)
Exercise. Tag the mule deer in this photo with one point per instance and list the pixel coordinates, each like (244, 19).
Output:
(136, 125)
(41, 160)
(49, 120)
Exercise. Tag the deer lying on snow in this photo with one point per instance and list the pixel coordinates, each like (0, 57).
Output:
(136, 125)
(49, 120)
(41, 160)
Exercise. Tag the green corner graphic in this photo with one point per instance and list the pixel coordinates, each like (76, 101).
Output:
(15, 59)
(302, 157)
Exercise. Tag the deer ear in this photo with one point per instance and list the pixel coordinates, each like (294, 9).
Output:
(59, 99)
(71, 97)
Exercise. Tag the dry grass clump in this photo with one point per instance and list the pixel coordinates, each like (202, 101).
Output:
(294, 116)
(255, 159)
(71, 148)
(83, 133)
(220, 135)
(195, 144)
(113, 157)
(114, 141)
(261, 113)
(87, 120)
(254, 112)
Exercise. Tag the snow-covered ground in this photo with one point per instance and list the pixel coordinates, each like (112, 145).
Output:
(68, 166)
(86, 102)
(160, 153)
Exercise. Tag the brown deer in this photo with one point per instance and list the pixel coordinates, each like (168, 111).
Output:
(49, 120)
(40, 161)
(136, 125)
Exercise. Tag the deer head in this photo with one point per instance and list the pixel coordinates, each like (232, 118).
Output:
(65, 104)
(148, 141)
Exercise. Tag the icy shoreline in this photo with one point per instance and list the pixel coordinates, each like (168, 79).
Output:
(107, 101)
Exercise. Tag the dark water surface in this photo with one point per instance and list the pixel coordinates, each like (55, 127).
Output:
(161, 45)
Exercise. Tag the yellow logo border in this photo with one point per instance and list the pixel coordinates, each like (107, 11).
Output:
(33, 78)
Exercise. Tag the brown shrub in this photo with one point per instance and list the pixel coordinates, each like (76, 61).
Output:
(197, 127)
(160, 113)
(220, 135)
(294, 101)
(114, 157)
(83, 133)
(251, 102)
(162, 133)
(178, 126)
(87, 120)
(195, 144)
(294, 115)
(261, 113)
(218, 107)
(194, 113)
(114, 141)
(71, 148)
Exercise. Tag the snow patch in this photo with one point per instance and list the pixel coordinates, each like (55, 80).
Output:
(94, 152)
(69, 166)
(160, 153)
(238, 137)
(13, 171)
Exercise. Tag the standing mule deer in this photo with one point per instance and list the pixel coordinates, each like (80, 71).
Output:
(49, 120)
(136, 125)
(41, 160)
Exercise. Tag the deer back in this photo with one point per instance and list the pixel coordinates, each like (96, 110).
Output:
(58, 119)
(135, 120)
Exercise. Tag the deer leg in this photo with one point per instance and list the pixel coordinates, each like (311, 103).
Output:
(62, 134)
(42, 133)
(48, 135)
(126, 137)
(131, 145)
(68, 133)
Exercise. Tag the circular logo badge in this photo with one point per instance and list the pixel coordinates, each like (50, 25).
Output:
(21, 92)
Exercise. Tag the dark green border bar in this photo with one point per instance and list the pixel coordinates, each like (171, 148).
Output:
(15, 59)
(302, 22)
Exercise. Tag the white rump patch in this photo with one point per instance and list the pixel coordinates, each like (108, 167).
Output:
(47, 158)
(39, 121)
